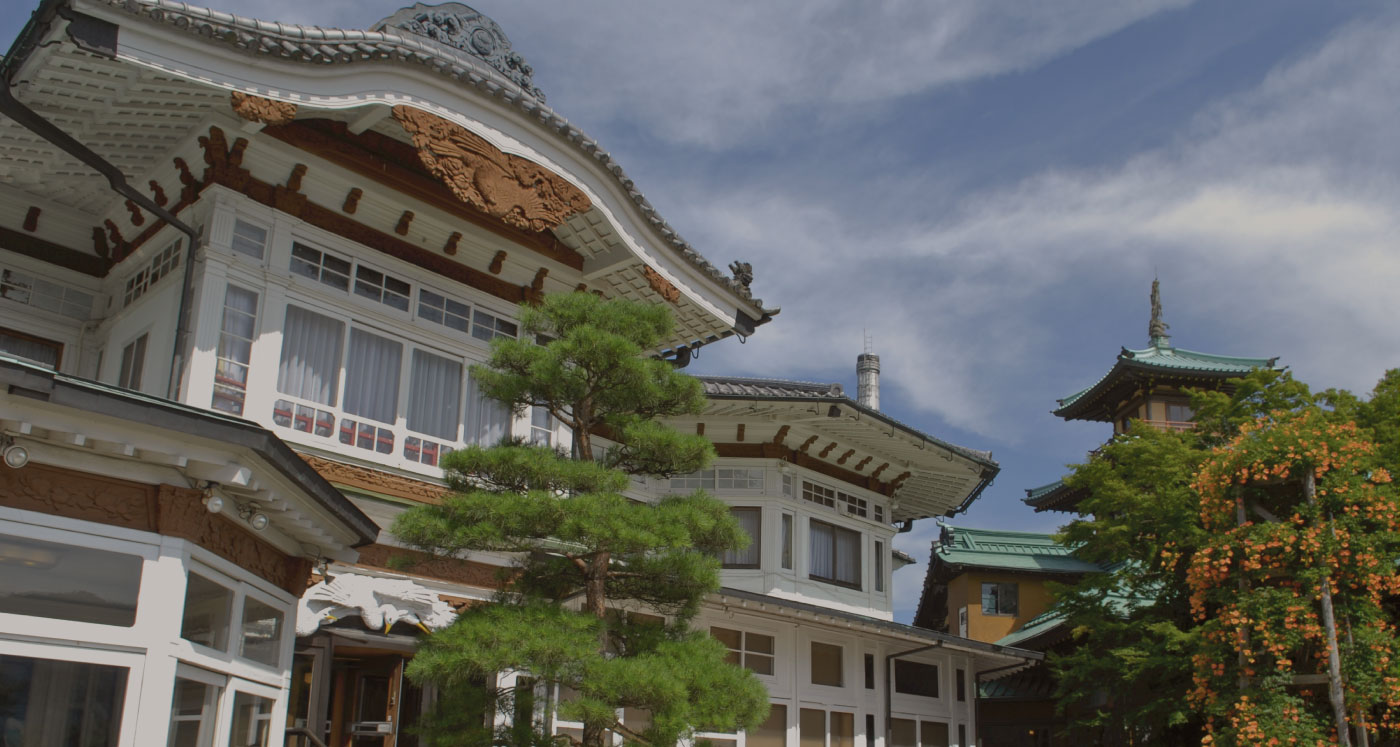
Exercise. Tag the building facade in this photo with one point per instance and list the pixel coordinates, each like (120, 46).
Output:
(245, 268)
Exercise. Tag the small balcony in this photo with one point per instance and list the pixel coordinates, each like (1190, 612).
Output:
(1171, 425)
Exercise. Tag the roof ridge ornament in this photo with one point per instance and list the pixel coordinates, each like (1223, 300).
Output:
(1157, 329)
(463, 27)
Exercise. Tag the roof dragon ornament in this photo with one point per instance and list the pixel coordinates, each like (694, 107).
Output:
(462, 27)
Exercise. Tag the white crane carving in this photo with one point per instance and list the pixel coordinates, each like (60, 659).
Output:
(380, 602)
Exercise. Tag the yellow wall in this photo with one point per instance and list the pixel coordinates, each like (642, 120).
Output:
(1032, 599)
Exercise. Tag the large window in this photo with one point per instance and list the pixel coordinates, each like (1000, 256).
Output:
(31, 290)
(752, 650)
(835, 554)
(915, 678)
(827, 667)
(37, 349)
(208, 613)
(50, 703)
(907, 733)
(817, 728)
(773, 731)
(235, 350)
(999, 599)
(67, 582)
(209, 616)
(751, 521)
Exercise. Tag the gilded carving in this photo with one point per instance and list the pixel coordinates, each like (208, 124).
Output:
(260, 109)
(516, 191)
(457, 570)
(380, 482)
(77, 496)
(661, 285)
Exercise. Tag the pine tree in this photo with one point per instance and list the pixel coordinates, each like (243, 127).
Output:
(597, 570)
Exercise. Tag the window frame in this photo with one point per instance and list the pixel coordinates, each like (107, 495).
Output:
(755, 546)
(858, 584)
(744, 652)
(131, 370)
(909, 666)
(840, 660)
(1000, 597)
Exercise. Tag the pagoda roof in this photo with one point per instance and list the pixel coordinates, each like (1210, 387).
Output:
(1160, 362)
(1010, 551)
(1057, 496)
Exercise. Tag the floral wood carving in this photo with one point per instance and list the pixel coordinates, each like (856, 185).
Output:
(355, 476)
(260, 109)
(78, 496)
(457, 570)
(516, 191)
(182, 514)
(661, 285)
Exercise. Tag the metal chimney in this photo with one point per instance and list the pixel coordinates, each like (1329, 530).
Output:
(868, 380)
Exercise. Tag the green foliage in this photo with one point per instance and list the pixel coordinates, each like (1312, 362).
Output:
(1128, 676)
(585, 550)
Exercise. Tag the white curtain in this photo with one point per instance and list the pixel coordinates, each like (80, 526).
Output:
(822, 548)
(487, 421)
(750, 519)
(372, 376)
(847, 556)
(310, 365)
(434, 395)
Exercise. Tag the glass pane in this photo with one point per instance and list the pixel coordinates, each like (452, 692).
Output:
(192, 713)
(787, 541)
(759, 643)
(811, 725)
(732, 639)
(915, 678)
(934, 734)
(372, 376)
(759, 663)
(826, 664)
(252, 721)
(48, 703)
(47, 579)
(903, 733)
(772, 732)
(843, 729)
(207, 610)
(310, 364)
(262, 632)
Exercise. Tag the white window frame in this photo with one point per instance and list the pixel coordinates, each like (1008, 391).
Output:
(135, 663)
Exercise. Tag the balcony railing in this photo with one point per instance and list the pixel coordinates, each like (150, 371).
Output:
(1172, 425)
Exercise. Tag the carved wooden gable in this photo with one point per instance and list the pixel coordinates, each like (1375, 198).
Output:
(515, 190)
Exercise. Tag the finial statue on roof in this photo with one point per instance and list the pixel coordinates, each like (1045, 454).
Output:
(743, 274)
(463, 27)
(1157, 329)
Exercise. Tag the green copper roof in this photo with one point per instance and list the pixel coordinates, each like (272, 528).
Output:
(1057, 496)
(1013, 551)
(1036, 626)
(1168, 364)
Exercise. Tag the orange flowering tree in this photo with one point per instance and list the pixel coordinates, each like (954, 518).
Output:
(1291, 586)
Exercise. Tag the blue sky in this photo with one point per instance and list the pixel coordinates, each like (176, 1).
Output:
(988, 187)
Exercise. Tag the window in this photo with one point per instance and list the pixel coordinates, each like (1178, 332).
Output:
(835, 554)
(192, 712)
(443, 310)
(372, 366)
(377, 286)
(208, 612)
(323, 266)
(870, 671)
(44, 352)
(262, 633)
(846, 503)
(816, 726)
(252, 720)
(487, 421)
(1178, 413)
(915, 678)
(50, 702)
(904, 732)
(962, 685)
(22, 287)
(879, 566)
(933, 734)
(772, 732)
(998, 599)
(67, 582)
(752, 650)
(721, 478)
(787, 485)
(826, 665)
(787, 542)
(248, 239)
(541, 426)
(236, 334)
(487, 326)
(751, 520)
(962, 734)
(310, 365)
(434, 405)
(165, 262)
(133, 361)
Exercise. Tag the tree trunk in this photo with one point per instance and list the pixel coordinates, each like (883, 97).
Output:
(1329, 622)
(595, 603)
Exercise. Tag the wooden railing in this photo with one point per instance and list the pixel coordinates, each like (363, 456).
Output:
(1172, 425)
(299, 736)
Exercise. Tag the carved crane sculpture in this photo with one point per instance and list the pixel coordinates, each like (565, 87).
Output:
(380, 602)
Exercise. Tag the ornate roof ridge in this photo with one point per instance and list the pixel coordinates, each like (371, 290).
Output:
(814, 387)
(1168, 351)
(328, 46)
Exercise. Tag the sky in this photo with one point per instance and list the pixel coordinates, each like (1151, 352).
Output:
(987, 188)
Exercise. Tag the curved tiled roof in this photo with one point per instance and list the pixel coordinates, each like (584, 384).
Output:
(1053, 497)
(331, 46)
(742, 387)
(1161, 357)
(1016, 551)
